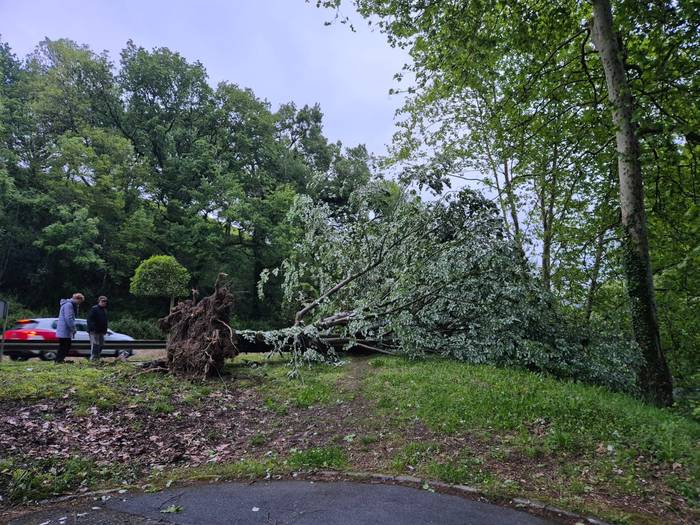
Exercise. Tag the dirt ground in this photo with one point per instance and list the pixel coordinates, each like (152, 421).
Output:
(234, 422)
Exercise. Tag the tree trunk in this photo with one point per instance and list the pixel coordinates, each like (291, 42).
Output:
(546, 218)
(501, 202)
(510, 194)
(655, 377)
(256, 306)
(547, 260)
(595, 272)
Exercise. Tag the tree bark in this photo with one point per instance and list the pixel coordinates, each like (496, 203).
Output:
(547, 217)
(501, 202)
(655, 377)
(256, 306)
(595, 272)
(510, 194)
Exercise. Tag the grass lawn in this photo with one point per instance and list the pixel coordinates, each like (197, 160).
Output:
(73, 428)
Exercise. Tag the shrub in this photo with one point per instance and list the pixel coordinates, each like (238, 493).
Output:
(160, 276)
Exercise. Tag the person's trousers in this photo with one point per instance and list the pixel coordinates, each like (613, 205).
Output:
(97, 341)
(64, 344)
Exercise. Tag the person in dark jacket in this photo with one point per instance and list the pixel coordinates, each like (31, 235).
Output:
(65, 326)
(97, 327)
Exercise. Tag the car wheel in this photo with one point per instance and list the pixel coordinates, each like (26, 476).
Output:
(123, 354)
(48, 355)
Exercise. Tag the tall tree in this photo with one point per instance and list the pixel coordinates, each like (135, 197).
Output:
(538, 56)
(102, 166)
(656, 376)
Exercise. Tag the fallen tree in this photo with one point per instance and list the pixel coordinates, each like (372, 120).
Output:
(401, 276)
(396, 275)
(199, 338)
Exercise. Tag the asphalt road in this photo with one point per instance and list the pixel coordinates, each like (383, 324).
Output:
(287, 503)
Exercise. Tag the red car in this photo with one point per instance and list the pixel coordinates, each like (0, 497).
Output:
(44, 329)
(32, 330)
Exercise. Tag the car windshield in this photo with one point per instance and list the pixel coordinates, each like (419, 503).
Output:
(25, 325)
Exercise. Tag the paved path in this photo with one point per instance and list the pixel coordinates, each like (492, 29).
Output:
(287, 503)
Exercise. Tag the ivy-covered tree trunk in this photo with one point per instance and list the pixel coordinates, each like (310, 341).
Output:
(655, 377)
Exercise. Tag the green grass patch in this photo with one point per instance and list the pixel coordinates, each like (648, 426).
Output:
(24, 481)
(243, 469)
(258, 440)
(318, 458)
(34, 381)
(421, 459)
(461, 473)
(252, 468)
(369, 439)
(450, 397)
(83, 385)
(537, 418)
(412, 456)
(315, 385)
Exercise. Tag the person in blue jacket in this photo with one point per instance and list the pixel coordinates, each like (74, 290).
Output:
(65, 328)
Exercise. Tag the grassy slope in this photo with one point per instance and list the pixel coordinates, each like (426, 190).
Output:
(581, 441)
(506, 432)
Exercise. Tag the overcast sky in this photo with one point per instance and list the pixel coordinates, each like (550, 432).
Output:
(278, 48)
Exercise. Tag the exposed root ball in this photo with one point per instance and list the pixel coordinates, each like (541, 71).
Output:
(199, 337)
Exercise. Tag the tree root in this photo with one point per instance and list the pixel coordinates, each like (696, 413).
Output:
(197, 345)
